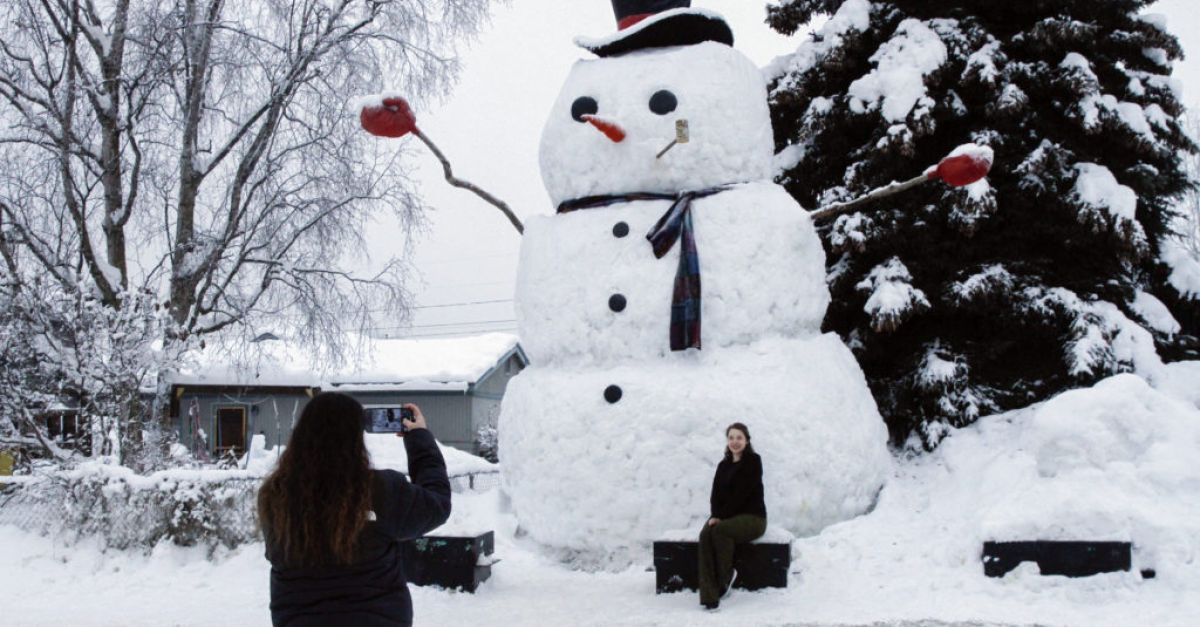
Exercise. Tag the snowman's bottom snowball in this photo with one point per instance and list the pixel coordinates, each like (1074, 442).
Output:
(598, 481)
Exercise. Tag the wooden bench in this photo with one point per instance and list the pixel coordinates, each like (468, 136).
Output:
(451, 562)
(1069, 558)
(759, 564)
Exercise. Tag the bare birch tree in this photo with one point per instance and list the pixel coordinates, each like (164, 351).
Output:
(195, 161)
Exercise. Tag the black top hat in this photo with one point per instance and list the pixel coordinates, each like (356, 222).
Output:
(657, 23)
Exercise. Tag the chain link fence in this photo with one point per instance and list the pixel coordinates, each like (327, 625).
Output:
(123, 510)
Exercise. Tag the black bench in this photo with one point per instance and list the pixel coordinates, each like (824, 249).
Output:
(452, 562)
(1070, 558)
(758, 565)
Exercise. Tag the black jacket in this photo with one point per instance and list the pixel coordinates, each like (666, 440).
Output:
(737, 488)
(373, 590)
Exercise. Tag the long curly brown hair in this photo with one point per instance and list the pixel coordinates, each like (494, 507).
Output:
(315, 503)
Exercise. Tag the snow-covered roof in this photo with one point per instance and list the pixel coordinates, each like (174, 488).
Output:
(449, 364)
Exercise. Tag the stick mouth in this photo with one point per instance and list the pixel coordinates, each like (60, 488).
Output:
(611, 130)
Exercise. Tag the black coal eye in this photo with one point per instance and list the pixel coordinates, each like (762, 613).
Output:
(663, 102)
(584, 106)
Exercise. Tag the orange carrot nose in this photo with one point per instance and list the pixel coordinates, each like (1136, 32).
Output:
(610, 129)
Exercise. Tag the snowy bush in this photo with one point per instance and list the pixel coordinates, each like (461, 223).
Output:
(208, 507)
(187, 508)
(487, 443)
(123, 510)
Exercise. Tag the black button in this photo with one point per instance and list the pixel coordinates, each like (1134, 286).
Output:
(616, 303)
(620, 229)
(612, 393)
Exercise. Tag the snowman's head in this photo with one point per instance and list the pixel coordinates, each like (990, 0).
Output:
(615, 115)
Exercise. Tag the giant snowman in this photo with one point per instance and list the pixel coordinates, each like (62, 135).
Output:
(669, 297)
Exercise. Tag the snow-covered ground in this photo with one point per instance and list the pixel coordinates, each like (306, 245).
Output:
(1115, 460)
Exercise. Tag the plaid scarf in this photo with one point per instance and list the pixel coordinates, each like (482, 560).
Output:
(675, 225)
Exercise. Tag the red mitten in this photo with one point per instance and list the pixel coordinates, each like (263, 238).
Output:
(963, 169)
(394, 118)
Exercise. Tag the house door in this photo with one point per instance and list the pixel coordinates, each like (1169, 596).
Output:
(231, 430)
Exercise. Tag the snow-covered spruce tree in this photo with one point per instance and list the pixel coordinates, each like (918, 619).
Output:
(1063, 267)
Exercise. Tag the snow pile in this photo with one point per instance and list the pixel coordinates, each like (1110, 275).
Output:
(901, 66)
(386, 449)
(1114, 462)
(1180, 380)
(731, 139)
(258, 460)
(1111, 462)
(387, 452)
(1121, 450)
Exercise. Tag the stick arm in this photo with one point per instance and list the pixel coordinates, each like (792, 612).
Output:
(830, 212)
(467, 185)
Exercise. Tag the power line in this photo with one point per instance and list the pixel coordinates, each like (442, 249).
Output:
(475, 302)
(450, 285)
(441, 325)
(463, 259)
(455, 333)
(445, 305)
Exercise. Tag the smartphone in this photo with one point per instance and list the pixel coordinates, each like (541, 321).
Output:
(386, 419)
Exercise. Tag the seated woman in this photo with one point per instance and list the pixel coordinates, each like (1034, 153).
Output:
(333, 525)
(738, 514)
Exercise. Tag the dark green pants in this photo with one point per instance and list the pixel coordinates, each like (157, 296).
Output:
(716, 551)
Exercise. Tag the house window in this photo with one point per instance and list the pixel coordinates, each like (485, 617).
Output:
(231, 430)
(62, 426)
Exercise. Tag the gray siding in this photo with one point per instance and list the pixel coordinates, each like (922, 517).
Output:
(489, 391)
(448, 415)
(453, 417)
(276, 414)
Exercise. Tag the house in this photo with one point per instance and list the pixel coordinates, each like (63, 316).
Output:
(222, 401)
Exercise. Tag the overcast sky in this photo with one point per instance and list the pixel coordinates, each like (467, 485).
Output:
(490, 129)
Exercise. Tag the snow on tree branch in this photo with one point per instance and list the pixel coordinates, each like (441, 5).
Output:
(892, 298)
(1105, 204)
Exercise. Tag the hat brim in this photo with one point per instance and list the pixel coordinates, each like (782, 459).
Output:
(676, 27)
